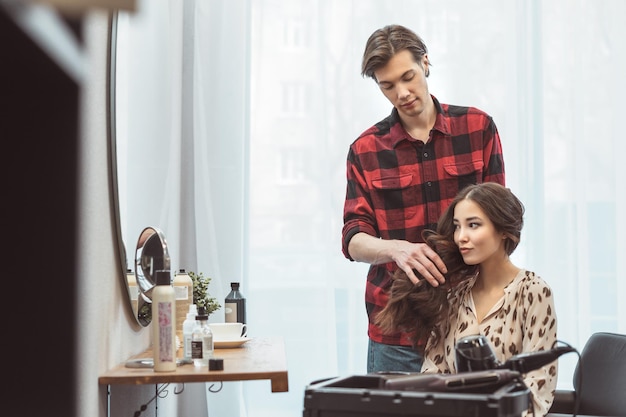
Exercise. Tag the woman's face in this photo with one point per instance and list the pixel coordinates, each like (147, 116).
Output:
(475, 234)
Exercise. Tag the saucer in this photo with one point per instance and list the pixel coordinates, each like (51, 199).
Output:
(225, 344)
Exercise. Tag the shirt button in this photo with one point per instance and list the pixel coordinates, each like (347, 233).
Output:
(425, 154)
(430, 184)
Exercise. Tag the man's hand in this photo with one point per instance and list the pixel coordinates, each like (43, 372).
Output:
(419, 258)
(410, 257)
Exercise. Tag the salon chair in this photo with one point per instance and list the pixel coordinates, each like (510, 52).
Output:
(601, 388)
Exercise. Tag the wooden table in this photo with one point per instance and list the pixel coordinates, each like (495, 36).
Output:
(259, 358)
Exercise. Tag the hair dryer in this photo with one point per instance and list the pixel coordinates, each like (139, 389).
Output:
(474, 353)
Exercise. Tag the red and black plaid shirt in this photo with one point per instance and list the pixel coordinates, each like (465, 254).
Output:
(398, 186)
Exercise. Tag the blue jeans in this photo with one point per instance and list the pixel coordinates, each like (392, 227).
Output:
(392, 358)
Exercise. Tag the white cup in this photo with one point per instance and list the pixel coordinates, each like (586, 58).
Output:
(228, 331)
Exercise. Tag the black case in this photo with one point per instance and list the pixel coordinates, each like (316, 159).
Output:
(366, 395)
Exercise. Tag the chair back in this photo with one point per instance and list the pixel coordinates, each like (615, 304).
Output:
(603, 365)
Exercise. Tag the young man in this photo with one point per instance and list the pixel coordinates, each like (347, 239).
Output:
(401, 175)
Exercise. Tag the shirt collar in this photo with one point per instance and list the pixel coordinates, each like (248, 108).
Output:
(398, 133)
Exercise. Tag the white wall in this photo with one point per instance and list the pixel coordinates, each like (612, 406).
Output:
(106, 331)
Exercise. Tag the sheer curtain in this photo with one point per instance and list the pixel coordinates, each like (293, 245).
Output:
(271, 97)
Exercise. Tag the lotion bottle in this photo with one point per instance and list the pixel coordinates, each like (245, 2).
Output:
(183, 288)
(163, 323)
(133, 289)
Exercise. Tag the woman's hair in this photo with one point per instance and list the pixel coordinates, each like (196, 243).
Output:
(384, 43)
(422, 308)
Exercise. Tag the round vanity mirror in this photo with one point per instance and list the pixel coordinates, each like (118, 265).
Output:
(151, 255)
(139, 129)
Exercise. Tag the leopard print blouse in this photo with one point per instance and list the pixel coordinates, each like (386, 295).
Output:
(523, 320)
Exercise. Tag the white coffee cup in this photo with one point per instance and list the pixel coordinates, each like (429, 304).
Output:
(228, 331)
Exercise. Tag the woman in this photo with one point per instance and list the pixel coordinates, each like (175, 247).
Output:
(486, 293)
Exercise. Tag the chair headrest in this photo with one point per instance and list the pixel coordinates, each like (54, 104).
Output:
(603, 367)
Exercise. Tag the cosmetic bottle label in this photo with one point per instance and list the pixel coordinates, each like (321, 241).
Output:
(166, 332)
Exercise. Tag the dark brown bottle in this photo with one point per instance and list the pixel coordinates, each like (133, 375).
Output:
(235, 305)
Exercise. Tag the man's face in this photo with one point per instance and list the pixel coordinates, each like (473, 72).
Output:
(403, 82)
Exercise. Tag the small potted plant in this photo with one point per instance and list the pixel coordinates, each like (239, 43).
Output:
(201, 296)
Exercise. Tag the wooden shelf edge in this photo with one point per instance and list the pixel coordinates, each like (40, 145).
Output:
(260, 359)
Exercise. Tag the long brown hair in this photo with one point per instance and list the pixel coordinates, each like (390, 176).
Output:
(422, 308)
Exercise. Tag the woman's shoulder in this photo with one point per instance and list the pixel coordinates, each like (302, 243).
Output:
(534, 283)
(532, 277)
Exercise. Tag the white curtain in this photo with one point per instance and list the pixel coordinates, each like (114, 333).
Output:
(267, 96)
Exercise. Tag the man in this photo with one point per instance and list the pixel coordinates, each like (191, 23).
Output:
(401, 175)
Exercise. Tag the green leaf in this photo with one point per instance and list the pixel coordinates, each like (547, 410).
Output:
(201, 296)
